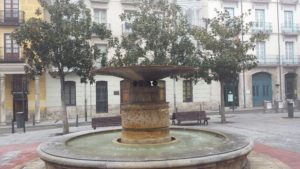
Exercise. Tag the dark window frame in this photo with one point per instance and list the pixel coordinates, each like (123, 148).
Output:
(187, 90)
(70, 93)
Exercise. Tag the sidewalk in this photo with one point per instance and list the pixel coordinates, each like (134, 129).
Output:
(48, 124)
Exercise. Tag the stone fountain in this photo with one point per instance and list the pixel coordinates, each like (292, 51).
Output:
(146, 139)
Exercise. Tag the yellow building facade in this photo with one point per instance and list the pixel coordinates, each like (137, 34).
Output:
(17, 92)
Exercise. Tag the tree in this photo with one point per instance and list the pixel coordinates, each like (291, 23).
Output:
(61, 45)
(159, 33)
(224, 53)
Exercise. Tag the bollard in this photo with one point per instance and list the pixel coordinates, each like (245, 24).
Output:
(290, 109)
(12, 126)
(24, 128)
(33, 118)
(77, 120)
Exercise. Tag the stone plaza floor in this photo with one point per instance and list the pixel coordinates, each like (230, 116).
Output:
(276, 138)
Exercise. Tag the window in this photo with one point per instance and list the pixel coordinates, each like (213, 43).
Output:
(230, 11)
(11, 47)
(100, 16)
(102, 48)
(11, 10)
(70, 93)
(288, 19)
(261, 50)
(193, 16)
(260, 18)
(187, 91)
(126, 29)
(289, 50)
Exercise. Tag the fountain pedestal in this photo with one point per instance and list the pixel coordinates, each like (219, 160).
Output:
(145, 117)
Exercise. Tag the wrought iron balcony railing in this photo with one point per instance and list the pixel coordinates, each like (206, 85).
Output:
(102, 1)
(289, 1)
(11, 17)
(231, 0)
(261, 1)
(262, 27)
(268, 60)
(292, 29)
(129, 1)
(290, 60)
(275, 60)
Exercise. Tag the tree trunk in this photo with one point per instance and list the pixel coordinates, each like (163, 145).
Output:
(222, 107)
(63, 106)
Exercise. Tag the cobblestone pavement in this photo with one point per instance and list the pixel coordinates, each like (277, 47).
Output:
(274, 135)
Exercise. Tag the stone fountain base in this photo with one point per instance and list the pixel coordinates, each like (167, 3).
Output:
(193, 149)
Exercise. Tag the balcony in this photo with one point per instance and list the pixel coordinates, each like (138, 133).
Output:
(261, 1)
(289, 2)
(11, 18)
(291, 60)
(273, 60)
(269, 60)
(262, 27)
(129, 1)
(100, 1)
(293, 29)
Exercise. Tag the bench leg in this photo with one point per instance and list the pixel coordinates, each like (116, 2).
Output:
(173, 122)
(178, 122)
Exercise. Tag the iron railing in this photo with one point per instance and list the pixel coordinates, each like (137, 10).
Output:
(129, 1)
(103, 1)
(290, 29)
(289, 1)
(275, 60)
(262, 27)
(11, 17)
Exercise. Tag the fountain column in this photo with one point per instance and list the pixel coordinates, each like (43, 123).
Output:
(145, 118)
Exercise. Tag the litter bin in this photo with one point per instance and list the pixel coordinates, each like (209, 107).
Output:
(20, 119)
(290, 108)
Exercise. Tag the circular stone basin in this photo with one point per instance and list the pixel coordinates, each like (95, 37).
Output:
(193, 148)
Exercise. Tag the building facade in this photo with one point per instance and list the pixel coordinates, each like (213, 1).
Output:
(17, 93)
(276, 76)
(103, 97)
(274, 79)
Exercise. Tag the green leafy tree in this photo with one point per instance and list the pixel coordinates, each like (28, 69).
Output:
(159, 33)
(224, 53)
(61, 44)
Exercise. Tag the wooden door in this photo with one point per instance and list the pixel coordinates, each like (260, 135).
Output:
(101, 97)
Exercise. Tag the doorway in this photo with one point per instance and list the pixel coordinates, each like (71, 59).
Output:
(101, 97)
(290, 86)
(261, 88)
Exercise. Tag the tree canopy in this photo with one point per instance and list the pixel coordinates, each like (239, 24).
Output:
(159, 33)
(61, 43)
(224, 52)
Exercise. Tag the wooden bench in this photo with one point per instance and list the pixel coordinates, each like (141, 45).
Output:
(197, 116)
(106, 121)
(203, 116)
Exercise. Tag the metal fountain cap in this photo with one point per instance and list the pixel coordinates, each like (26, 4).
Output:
(145, 73)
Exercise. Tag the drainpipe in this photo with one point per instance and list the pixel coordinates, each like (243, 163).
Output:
(242, 29)
(279, 54)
